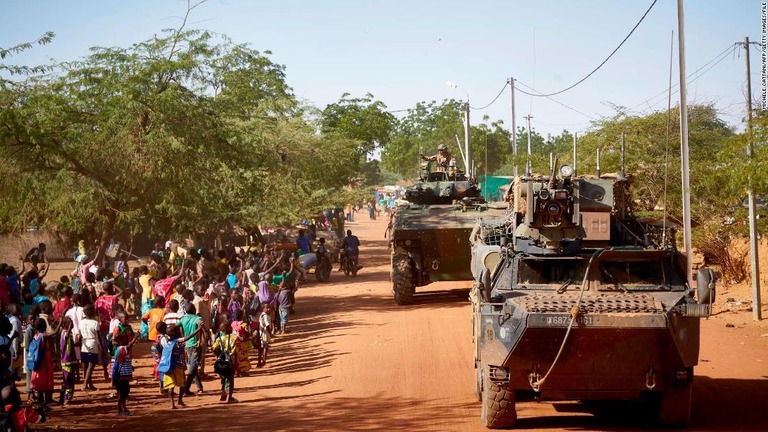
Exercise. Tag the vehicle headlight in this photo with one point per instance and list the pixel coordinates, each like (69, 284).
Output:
(566, 171)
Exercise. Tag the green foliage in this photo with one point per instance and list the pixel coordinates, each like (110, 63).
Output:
(653, 158)
(10, 69)
(363, 119)
(186, 133)
(421, 131)
(498, 149)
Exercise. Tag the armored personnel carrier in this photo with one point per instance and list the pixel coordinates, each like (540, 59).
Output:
(577, 299)
(429, 236)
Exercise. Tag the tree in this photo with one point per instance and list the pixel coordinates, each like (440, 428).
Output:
(498, 145)
(654, 160)
(11, 69)
(421, 131)
(183, 133)
(364, 120)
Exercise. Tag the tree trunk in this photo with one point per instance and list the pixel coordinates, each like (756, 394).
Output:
(257, 231)
(110, 219)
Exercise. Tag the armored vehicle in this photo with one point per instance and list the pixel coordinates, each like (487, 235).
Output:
(429, 235)
(575, 298)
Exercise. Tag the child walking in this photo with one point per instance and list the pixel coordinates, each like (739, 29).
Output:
(157, 351)
(242, 344)
(225, 349)
(69, 362)
(91, 345)
(41, 365)
(265, 333)
(172, 364)
(122, 370)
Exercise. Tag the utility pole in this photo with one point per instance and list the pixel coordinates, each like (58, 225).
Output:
(485, 166)
(528, 164)
(513, 128)
(622, 175)
(684, 166)
(467, 146)
(575, 144)
(756, 305)
(598, 162)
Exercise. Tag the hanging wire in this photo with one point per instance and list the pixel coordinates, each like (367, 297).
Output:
(708, 65)
(494, 99)
(553, 100)
(604, 61)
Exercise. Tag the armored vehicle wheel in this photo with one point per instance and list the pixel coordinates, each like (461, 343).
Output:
(402, 280)
(675, 407)
(476, 343)
(498, 404)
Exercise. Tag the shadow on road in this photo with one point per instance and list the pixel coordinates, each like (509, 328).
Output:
(719, 404)
(310, 412)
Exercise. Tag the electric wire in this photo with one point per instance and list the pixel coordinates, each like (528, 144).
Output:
(717, 59)
(553, 100)
(604, 61)
(494, 99)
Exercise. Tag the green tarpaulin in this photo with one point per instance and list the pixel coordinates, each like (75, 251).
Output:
(490, 186)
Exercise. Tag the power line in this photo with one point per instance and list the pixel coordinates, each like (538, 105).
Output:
(494, 99)
(689, 79)
(553, 100)
(718, 58)
(604, 61)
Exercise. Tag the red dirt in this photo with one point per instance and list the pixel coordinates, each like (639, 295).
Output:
(355, 361)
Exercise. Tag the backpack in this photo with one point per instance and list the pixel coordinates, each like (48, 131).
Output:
(121, 369)
(36, 354)
(223, 363)
(167, 362)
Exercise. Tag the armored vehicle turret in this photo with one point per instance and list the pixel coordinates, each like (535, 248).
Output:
(575, 298)
(442, 187)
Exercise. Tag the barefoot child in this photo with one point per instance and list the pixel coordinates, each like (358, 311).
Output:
(41, 365)
(172, 363)
(242, 344)
(69, 362)
(91, 345)
(265, 332)
(226, 360)
(157, 350)
(122, 370)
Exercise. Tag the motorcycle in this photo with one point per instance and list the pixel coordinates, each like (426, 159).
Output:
(350, 264)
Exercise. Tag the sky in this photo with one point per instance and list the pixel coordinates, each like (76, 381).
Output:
(405, 52)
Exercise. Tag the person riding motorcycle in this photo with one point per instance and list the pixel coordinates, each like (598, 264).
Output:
(350, 249)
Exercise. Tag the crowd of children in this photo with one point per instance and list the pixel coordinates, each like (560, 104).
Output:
(229, 304)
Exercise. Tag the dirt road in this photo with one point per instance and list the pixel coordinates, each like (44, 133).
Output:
(355, 361)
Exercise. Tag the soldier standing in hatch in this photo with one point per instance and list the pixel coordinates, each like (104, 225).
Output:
(443, 158)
